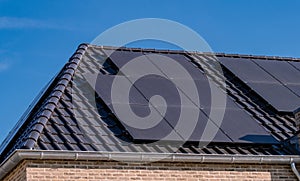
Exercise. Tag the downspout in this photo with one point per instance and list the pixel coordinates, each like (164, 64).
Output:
(294, 169)
(297, 120)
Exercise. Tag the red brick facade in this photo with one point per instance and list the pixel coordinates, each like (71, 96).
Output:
(35, 170)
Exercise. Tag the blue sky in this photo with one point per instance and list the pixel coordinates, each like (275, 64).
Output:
(38, 37)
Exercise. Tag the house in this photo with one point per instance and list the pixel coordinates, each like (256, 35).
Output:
(80, 127)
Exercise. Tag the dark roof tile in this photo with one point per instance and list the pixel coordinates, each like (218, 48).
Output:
(71, 116)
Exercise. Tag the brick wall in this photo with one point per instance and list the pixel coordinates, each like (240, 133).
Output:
(92, 170)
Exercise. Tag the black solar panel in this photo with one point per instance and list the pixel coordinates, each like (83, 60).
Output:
(203, 131)
(103, 85)
(274, 81)
(203, 89)
(162, 63)
(294, 88)
(242, 128)
(296, 65)
(211, 135)
(155, 128)
(281, 70)
(140, 108)
(152, 85)
(246, 70)
(277, 95)
(204, 92)
(119, 58)
(154, 64)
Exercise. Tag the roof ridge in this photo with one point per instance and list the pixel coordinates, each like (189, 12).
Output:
(231, 55)
(53, 99)
(264, 57)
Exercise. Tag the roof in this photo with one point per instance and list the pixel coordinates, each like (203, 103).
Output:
(65, 117)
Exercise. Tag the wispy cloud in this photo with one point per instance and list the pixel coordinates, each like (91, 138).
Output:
(6, 59)
(4, 66)
(17, 23)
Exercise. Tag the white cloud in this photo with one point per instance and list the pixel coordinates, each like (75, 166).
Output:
(15, 23)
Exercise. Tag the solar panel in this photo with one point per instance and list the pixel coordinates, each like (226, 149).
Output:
(281, 70)
(294, 88)
(156, 85)
(166, 67)
(237, 125)
(246, 70)
(268, 79)
(135, 112)
(242, 128)
(154, 128)
(190, 129)
(103, 85)
(296, 65)
(204, 93)
(139, 106)
(213, 133)
(277, 95)
(172, 113)
(193, 129)
(152, 85)
(120, 58)
(133, 64)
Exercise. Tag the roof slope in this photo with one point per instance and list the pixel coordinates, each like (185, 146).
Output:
(65, 118)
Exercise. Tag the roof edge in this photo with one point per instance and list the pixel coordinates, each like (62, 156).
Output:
(54, 97)
(229, 55)
(140, 157)
(62, 80)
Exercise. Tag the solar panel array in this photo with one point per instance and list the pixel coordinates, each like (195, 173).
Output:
(277, 82)
(237, 125)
